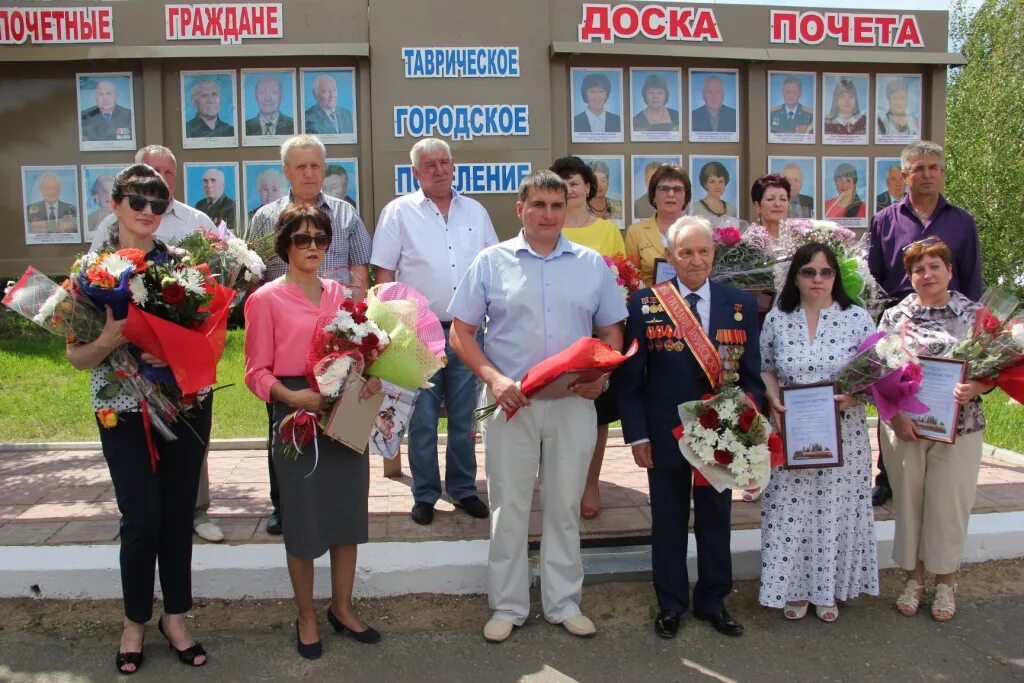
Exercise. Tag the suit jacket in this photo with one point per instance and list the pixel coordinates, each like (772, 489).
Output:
(285, 125)
(884, 200)
(197, 128)
(779, 120)
(67, 217)
(220, 209)
(805, 204)
(657, 379)
(612, 123)
(701, 120)
(117, 127)
(318, 123)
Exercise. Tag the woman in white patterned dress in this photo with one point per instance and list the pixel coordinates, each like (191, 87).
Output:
(817, 526)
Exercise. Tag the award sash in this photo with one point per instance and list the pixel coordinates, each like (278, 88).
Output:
(690, 331)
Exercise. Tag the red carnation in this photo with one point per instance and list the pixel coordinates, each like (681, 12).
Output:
(173, 294)
(358, 318)
(723, 457)
(348, 306)
(709, 419)
(361, 308)
(746, 420)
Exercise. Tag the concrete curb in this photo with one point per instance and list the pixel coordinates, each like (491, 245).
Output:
(385, 569)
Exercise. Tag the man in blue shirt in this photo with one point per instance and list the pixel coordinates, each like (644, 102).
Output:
(538, 293)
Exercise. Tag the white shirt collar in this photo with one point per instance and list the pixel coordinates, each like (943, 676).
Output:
(704, 292)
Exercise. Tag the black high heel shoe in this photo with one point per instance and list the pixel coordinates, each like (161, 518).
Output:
(188, 655)
(307, 650)
(123, 659)
(368, 637)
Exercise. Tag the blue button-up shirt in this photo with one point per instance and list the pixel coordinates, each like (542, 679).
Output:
(896, 226)
(536, 306)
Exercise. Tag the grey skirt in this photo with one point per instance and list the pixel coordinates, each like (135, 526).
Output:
(327, 507)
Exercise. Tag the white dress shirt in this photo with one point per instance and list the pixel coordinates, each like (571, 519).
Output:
(180, 220)
(597, 121)
(427, 253)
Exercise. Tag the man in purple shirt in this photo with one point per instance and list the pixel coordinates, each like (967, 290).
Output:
(922, 213)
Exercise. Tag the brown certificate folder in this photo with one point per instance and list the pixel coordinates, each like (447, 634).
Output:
(350, 420)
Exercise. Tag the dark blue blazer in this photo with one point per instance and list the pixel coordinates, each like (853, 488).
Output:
(701, 120)
(654, 382)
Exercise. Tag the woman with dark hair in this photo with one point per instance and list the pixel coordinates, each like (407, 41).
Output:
(601, 205)
(845, 116)
(595, 90)
(714, 178)
(817, 526)
(770, 195)
(668, 191)
(324, 488)
(847, 203)
(933, 483)
(156, 503)
(656, 116)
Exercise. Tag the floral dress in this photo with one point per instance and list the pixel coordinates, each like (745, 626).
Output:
(817, 526)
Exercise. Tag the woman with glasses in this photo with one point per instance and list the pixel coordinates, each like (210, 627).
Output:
(933, 483)
(156, 502)
(325, 487)
(817, 526)
(668, 191)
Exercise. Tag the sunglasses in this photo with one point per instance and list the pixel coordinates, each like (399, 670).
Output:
(810, 273)
(926, 242)
(138, 203)
(303, 240)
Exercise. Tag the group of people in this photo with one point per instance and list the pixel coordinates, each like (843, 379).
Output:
(504, 306)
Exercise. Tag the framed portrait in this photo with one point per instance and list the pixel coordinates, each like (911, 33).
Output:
(802, 174)
(655, 96)
(844, 187)
(608, 202)
(714, 103)
(845, 107)
(97, 182)
(209, 117)
(643, 167)
(341, 180)
(791, 107)
(329, 104)
(268, 106)
(213, 189)
(810, 427)
(596, 104)
(106, 111)
(889, 185)
(897, 109)
(264, 183)
(50, 199)
(716, 194)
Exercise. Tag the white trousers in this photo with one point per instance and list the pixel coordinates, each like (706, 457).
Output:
(556, 438)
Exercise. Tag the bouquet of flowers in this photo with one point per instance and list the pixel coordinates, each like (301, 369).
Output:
(727, 440)
(627, 275)
(231, 261)
(889, 371)
(995, 350)
(745, 260)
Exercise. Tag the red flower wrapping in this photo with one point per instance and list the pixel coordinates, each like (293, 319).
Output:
(709, 419)
(746, 419)
(775, 449)
(173, 294)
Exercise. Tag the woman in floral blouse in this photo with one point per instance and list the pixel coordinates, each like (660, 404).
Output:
(933, 483)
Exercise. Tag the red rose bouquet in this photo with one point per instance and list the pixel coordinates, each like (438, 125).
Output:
(995, 350)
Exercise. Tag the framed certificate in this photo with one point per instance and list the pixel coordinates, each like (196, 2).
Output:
(663, 271)
(940, 376)
(810, 427)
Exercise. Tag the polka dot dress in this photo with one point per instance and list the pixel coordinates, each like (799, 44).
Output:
(817, 526)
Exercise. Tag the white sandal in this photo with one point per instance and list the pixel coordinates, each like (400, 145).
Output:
(794, 612)
(910, 599)
(828, 613)
(944, 604)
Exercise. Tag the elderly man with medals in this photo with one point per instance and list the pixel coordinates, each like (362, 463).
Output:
(694, 336)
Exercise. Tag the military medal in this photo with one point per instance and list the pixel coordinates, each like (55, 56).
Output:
(730, 350)
(738, 315)
(645, 309)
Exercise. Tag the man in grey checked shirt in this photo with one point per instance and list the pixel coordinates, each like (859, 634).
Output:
(304, 159)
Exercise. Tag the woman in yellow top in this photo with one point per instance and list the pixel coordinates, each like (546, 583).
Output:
(604, 237)
(668, 192)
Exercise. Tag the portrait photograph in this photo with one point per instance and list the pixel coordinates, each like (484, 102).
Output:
(329, 104)
(844, 183)
(611, 187)
(802, 174)
(791, 107)
(845, 107)
(97, 182)
(268, 106)
(213, 189)
(209, 116)
(106, 111)
(264, 183)
(897, 109)
(715, 180)
(596, 104)
(889, 185)
(341, 180)
(714, 103)
(655, 96)
(50, 200)
(643, 167)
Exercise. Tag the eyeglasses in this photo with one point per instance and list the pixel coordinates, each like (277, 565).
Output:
(669, 189)
(303, 240)
(926, 242)
(810, 273)
(138, 203)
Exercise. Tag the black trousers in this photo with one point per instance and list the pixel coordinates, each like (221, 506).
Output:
(156, 507)
(275, 495)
